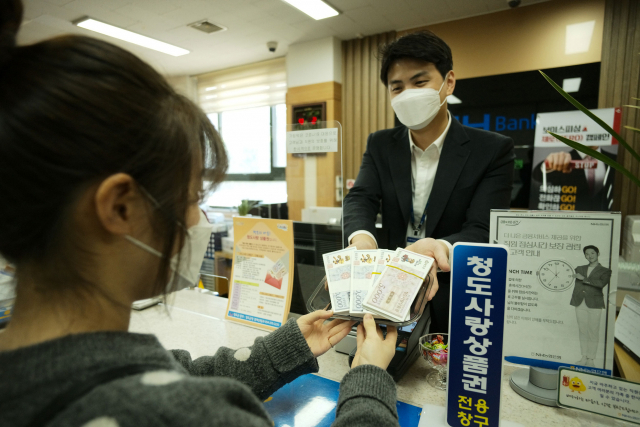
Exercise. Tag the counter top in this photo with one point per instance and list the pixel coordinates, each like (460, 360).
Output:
(194, 321)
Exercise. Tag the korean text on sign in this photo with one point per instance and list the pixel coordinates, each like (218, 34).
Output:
(477, 306)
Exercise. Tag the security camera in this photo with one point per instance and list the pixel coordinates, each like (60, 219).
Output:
(513, 3)
(272, 46)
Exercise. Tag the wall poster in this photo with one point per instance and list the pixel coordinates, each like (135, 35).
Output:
(565, 179)
(561, 284)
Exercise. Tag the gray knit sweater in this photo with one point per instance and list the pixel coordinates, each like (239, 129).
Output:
(222, 390)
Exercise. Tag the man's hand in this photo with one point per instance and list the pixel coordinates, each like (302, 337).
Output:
(373, 349)
(322, 336)
(560, 162)
(363, 242)
(437, 250)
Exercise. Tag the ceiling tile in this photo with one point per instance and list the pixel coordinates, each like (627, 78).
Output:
(344, 5)
(157, 6)
(96, 11)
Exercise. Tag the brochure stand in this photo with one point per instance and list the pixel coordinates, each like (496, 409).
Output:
(539, 385)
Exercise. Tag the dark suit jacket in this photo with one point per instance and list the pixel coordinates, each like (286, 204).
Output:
(474, 175)
(599, 201)
(590, 292)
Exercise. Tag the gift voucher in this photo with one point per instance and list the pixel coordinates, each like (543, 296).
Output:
(562, 277)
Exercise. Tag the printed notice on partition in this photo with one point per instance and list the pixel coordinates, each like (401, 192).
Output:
(262, 272)
(312, 141)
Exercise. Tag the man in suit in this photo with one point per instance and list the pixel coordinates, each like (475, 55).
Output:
(594, 187)
(434, 180)
(588, 300)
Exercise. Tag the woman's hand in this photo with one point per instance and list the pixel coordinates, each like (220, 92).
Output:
(373, 349)
(578, 276)
(320, 336)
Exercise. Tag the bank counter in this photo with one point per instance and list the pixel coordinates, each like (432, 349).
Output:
(193, 320)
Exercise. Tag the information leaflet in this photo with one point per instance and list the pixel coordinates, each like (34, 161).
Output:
(262, 272)
(563, 272)
(476, 328)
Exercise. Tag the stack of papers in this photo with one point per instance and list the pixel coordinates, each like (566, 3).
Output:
(381, 282)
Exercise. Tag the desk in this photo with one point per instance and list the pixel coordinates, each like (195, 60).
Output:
(194, 321)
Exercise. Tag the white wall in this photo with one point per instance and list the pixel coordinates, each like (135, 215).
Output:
(315, 61)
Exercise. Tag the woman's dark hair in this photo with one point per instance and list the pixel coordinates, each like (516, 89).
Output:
(73, 111)
(584, 250)
(423, 45)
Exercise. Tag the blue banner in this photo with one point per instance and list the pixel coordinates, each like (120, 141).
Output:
(476, 328)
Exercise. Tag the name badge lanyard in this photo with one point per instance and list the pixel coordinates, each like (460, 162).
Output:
(416, 230)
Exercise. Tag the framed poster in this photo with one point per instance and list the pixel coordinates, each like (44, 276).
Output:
(262, 272)
(561, 284)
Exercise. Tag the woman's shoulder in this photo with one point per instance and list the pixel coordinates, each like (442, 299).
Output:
(167, 398)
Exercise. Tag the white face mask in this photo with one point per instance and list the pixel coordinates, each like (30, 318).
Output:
(416, 108)
(191, 255)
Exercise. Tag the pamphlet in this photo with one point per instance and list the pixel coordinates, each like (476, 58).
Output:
(562, 279)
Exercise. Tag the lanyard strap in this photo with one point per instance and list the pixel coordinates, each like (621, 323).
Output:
(416, 230)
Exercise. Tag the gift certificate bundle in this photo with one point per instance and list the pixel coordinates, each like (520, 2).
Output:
(381, 282)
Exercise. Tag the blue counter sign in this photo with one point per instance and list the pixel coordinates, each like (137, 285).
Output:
(476, 327)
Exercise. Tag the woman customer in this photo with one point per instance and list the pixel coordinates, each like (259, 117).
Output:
(101, 170)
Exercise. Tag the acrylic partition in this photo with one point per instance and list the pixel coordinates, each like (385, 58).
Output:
(281, 171)
(314, 198)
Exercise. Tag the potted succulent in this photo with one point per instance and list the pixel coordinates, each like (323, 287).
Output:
(245, 207)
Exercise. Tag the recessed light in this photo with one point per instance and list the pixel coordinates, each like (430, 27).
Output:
(317, 9)
(131, 37)
(578, 37)
(452, 99)
(571, 85)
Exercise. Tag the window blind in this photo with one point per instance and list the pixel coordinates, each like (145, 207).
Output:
(254, 85)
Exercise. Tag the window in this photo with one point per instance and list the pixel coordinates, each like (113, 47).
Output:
(255, 139)
(247, 106)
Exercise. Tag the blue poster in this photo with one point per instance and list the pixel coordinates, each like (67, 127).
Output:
(311, 400)
(476, 329)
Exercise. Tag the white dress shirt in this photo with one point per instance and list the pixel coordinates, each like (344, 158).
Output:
(424, 164)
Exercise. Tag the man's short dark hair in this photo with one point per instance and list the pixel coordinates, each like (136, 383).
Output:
(424, 46)
(584, 250)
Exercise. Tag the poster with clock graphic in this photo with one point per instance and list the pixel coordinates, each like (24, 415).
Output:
(561, 284)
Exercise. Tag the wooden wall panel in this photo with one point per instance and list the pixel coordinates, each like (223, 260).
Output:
(365, 99)
(619, 83)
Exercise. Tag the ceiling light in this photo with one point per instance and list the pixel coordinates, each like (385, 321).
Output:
(578, 37)
(211, 96)
(317, 9)
(571, 85)
(211, 88)
(452, 99)
(281, 85)
(131, 37)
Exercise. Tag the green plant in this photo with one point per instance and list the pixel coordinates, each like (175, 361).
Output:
(589, 151)
(245, 206)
